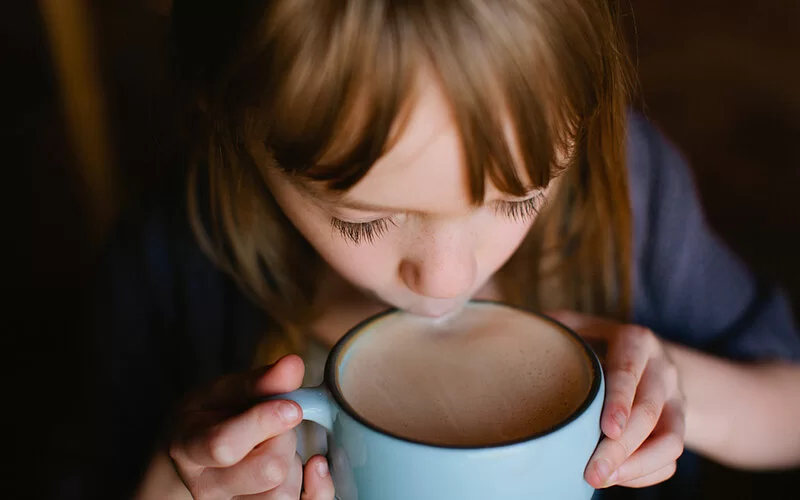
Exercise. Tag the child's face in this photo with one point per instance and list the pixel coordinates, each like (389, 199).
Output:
(428, 249)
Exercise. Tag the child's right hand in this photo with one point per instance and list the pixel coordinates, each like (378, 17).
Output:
(228, 445)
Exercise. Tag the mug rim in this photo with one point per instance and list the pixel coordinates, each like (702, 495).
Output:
(330, 381)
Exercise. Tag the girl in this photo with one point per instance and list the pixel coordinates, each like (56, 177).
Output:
(355, 155)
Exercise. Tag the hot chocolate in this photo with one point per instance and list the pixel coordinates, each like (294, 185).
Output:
(488, 375)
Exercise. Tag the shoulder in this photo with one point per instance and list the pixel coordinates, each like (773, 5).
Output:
(665, 205)
(688, 285)
(658, 173)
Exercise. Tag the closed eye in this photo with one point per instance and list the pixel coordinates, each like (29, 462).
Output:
(360, 232)
(522, 210)
(368, 232)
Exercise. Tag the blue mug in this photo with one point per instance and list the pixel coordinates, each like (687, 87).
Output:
(370, 463)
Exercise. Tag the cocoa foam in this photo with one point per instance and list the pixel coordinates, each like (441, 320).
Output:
(488, 375)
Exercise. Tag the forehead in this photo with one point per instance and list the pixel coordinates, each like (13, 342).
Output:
(424, 169)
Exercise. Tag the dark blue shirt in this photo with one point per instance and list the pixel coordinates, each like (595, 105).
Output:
(169, 321)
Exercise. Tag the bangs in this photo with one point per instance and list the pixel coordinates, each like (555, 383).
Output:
(341, 84)
(322, 89)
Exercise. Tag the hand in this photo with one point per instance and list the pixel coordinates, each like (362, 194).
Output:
(227, 445)
(643, 417)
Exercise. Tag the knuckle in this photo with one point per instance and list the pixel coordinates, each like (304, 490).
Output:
(626, 371)
(651, 410)
(218, 445)
(621, 398)
(274, 472)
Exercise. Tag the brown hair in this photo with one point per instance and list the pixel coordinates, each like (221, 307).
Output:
(315, 87)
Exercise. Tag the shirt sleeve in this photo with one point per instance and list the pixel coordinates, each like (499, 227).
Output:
(689, 287)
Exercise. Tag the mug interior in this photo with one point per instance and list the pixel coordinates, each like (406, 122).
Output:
(338, 357)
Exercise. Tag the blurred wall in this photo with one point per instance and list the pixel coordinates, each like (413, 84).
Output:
(44, 237)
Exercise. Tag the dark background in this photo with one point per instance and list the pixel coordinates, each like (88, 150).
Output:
(88, 125)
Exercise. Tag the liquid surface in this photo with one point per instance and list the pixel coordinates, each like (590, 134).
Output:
(486, 376)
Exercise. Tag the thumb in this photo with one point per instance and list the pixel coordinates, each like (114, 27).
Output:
(586, 325)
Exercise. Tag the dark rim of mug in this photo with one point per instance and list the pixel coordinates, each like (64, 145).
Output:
(331, 382)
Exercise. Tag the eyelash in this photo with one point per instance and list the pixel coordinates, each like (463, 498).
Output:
(360, 232)
(522, 210)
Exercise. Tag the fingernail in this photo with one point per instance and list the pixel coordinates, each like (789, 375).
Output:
(619, 418)
(322, 468)
(288, 412)
(603, 468)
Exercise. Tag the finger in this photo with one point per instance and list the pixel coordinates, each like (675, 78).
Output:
(230, 441)
(594, 331)
(626, 362)
(317, 482)
(662, 448)
(234, 392)
(656, 477)
(292, 487)
(577, 321)
(264, 469)
(645, 414)
(284, 376)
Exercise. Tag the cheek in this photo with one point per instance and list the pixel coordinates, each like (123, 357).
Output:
(370, 266)
(364, 265)
(498, 242)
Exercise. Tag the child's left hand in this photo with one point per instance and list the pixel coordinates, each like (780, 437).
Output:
(643, 417)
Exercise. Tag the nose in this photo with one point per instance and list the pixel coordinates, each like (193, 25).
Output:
(445, 268)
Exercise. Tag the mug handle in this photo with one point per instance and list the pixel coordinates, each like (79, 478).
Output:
(315, 402)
